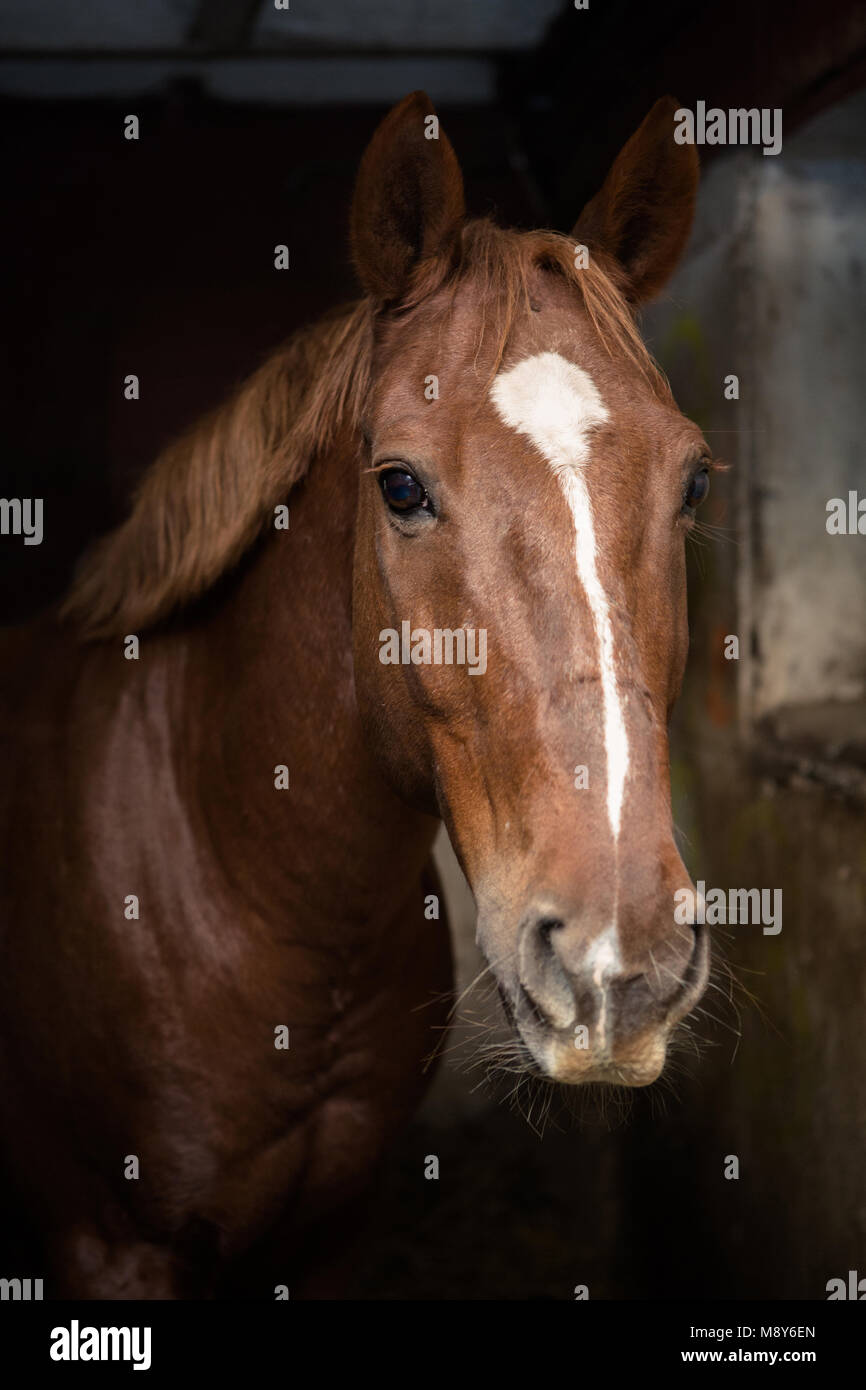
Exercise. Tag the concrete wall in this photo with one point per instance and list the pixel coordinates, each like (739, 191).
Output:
(769, 750)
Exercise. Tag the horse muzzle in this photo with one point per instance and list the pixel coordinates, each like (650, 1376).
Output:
(585, 1013)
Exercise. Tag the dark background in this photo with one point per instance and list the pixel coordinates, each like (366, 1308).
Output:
(156, 257)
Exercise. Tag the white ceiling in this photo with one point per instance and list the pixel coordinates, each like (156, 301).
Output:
(92, 24)
(479, 25)
(318, 51)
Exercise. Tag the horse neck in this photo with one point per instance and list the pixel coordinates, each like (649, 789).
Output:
(269, 683)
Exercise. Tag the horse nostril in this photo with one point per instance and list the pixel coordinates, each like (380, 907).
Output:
(692, 978)
(542, 975)
(546, 926)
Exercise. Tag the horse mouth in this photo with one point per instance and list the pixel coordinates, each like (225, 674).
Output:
(554, 1056)
(528, 1060)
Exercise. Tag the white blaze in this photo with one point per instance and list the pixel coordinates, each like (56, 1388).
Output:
(603, 960)
(557, 404)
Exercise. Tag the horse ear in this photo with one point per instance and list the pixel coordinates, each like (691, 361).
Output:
(643, 213)
(408, 203)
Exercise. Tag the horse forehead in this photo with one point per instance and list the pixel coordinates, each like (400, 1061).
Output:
(552, 401)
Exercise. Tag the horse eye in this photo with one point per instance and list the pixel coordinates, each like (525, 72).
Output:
(697, 490)
(402, 492)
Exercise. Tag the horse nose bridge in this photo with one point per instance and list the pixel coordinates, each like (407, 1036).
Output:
(607, 736)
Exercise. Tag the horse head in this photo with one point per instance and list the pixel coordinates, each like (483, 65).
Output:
(520, 620)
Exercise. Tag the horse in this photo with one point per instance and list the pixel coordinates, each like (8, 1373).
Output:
(224, 959)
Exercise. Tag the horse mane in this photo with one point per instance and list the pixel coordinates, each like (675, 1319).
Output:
(212, 491)
(209, 494)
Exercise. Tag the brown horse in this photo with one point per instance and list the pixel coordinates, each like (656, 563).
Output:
(478, 613)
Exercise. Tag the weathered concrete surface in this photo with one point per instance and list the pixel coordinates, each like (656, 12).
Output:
(767, 750)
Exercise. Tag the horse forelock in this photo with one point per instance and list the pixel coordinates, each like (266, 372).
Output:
(208, 496)
(496, 264)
